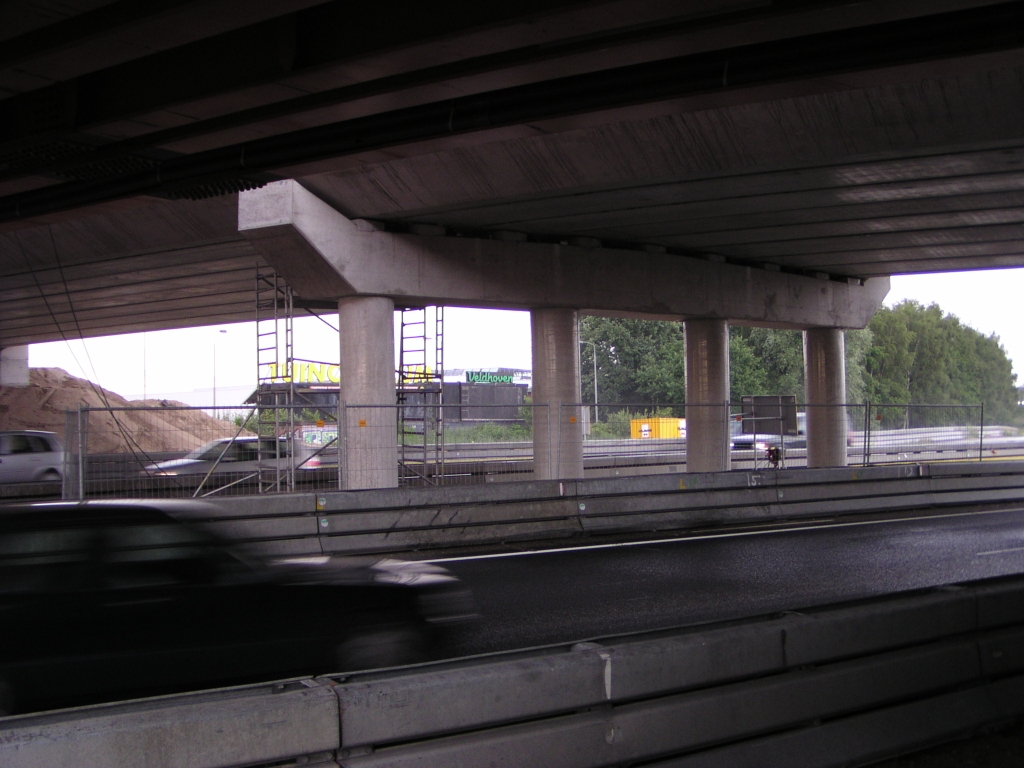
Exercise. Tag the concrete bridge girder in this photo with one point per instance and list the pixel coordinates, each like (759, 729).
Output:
(325, 256)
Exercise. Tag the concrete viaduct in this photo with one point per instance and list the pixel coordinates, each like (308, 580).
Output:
(766, 163)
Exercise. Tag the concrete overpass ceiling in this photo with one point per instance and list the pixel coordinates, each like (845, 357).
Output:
(836, 180)
(334, 63)
(858, 138)
(164, 265)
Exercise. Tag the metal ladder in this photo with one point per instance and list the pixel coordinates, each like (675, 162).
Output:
(420, 395)
(275, 391)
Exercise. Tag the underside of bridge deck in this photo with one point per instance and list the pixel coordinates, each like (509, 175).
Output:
(816, 137)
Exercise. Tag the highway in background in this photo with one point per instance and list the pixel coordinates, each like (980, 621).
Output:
(557, 596)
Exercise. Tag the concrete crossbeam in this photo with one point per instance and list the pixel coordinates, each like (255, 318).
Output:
(14, 366)
(324, 255)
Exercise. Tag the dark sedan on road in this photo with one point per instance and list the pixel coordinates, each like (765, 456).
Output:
(108, 600)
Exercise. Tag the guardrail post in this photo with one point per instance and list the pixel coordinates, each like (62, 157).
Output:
(342, 445)
(81, 455)
(867, 434)
(981, 432)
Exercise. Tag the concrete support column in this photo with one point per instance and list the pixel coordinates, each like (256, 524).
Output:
(367, 334)
(14, 366)
(557, 427)
(825, 377)
(707, 391)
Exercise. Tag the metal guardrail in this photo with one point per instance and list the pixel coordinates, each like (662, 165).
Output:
(829, 686)
(405, 519)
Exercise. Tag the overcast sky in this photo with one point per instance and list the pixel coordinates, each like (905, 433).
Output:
(164, 362)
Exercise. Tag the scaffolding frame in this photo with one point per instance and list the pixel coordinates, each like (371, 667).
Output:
(274, 363)
(420, 394)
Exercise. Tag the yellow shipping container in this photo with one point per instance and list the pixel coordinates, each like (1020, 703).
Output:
(657, 428)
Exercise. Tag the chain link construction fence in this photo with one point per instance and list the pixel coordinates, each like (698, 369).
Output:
(196, 452)
(202, 452)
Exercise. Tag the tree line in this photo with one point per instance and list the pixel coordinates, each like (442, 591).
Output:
(909, 353)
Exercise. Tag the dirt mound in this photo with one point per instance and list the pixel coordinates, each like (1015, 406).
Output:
(148, 425)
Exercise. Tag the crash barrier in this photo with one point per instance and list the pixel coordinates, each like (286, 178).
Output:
(213, 452)
(828, 686)
(29, 491)
(408, 519)
(875, 434)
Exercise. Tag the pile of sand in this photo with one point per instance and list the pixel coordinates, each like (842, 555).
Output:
(150, 427)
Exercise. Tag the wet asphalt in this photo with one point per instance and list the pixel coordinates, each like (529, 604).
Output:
(561, 596)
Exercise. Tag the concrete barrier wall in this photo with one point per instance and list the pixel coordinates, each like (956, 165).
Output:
(405, 519)
(243, 726)
(757, 689)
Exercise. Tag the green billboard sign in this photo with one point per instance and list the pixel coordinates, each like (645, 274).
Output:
(486, 377)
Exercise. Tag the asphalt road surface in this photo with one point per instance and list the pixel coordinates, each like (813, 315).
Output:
(557, 596)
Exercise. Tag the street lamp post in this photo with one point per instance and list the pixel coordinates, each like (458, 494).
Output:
(593, 346)
(215, 371)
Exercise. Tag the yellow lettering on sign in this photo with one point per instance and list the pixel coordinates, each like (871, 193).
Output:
(318, 372)
(334, 373)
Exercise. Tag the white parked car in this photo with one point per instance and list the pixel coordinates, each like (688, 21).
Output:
(30, 456)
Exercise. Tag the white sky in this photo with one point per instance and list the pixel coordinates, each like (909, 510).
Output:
(183, 360)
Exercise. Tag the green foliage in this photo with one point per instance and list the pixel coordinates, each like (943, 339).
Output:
(908, 354)
(488, 432)
(858, 344)
(638, 361)
(253, 423)
(766, 362)
(921, 355)
(247, 421)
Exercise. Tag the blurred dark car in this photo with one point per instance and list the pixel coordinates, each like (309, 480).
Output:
(109, 600)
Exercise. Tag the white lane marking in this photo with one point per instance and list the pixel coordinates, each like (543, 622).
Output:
(684, 539)
(1000, 551)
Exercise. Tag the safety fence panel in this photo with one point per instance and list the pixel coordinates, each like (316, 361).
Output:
(499, 448)
(617, 435)
(899, 433)
(626, 438)
(636, 438)
(178, 451)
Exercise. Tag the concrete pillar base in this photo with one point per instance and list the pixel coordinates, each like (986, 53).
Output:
(367, 388)
(14, 366)
(707, 396)
(825, 376)
(557, 418)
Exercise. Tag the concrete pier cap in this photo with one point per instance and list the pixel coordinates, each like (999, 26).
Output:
(14, 366)
(325, 256)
